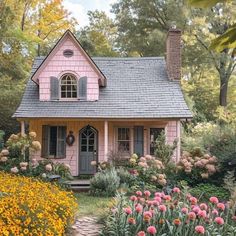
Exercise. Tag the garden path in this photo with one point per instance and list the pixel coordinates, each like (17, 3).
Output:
(87, 226)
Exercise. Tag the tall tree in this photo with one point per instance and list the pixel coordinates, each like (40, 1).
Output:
(99, 36)
(206, 25)
(228, 39)
(47, 21)
(142, 25)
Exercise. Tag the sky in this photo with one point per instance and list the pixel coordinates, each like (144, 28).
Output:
(79, 8)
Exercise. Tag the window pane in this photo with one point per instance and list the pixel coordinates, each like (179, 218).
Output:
(154, 133)
(53, 141)
(123, 146)
(68, 86)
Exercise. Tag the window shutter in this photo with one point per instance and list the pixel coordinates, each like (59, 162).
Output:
(82, 88)
(45, 140)
(61, 142)
(54, 88)
(138, 140)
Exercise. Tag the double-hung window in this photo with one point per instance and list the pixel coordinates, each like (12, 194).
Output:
(54, 141)
(123, 139)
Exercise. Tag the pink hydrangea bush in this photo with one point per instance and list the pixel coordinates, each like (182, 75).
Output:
(178, 214)
(205, 165)
(148, 169)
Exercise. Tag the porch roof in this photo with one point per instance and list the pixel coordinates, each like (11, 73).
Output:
(136, 88)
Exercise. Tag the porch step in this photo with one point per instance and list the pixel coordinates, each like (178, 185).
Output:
(78, 185)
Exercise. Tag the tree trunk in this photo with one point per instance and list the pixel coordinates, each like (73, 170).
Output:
(223, 92)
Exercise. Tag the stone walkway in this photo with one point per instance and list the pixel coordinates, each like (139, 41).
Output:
(86, 226)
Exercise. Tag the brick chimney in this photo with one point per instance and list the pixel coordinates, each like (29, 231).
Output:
(173, 53)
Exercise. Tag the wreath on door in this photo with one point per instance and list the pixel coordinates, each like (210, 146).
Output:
(70, 139)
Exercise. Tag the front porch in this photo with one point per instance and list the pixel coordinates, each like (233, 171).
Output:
(95, 139)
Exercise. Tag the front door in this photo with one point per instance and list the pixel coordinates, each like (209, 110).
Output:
(88, 149)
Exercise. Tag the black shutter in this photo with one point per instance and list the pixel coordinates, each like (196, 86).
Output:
(61, 142)
(82, 88)
(45, 141)
(54, 88)
(138, 140)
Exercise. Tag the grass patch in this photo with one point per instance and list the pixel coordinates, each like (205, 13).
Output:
(92, 206)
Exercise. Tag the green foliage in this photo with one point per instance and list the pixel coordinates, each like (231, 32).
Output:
(142, 25)
(205, 191)
(105, 183)
(125, 177)
(62, 170)
(164, 151)
(98, 38)
(2, 133)
(228, 39)
(142, 214)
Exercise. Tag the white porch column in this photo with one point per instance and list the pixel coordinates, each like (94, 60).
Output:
(178, 124)
(105, 140)
(22, 127)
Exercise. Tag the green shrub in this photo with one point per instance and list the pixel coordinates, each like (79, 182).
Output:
(164, 151)
(105, 183)
(205, 191)
(125, 176)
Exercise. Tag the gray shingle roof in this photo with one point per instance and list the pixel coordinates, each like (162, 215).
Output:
(136, 88)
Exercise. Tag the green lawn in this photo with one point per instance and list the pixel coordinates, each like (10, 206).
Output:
(92, 206)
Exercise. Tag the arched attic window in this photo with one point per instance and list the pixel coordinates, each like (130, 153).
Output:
(68, 86)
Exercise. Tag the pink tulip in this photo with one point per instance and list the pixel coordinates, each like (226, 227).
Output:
(219, 220)
(162, 208)
(199, 229)
(139, 193)
(128, 210)
(203, 206)
(139, 208)
(221, 206)
(151, 230)
(191, 215)
(214, 200)
(215, 212)
(202, 214)
(176, 190)
(133, 198)
(184, 210)
(147, 214)
(141, 233)
(157, 194)
(147, 193)
(193, 200)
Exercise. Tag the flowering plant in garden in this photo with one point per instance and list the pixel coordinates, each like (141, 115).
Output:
(177, 214)
(205, 165)
(13, 159)
(32, 207)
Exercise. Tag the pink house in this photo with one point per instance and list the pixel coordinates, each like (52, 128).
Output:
(84, 108)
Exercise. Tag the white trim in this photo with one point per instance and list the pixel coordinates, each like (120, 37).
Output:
(116, 137)
(76, 78)
(178, 134)
(105, 140)
(22, 127)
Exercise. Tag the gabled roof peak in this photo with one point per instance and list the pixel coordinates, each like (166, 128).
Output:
(68, 33)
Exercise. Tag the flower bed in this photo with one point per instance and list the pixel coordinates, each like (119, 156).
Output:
(31, 207)
(177, 214)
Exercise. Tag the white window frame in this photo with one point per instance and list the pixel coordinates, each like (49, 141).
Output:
(130, 138)
(60, 85)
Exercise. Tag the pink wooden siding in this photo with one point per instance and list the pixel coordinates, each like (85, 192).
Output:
(77, 64)
(171, 129)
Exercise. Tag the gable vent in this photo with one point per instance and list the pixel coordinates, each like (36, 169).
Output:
(68, 53)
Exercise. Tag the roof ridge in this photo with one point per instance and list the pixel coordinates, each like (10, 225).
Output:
(128, 58)
(117, 58)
